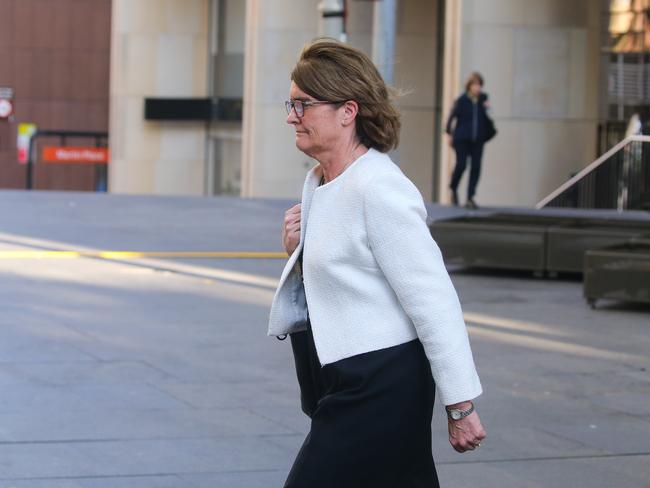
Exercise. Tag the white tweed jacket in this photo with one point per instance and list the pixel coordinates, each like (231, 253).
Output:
(372, 275)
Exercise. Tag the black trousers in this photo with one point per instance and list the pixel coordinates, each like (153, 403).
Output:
(370, 419)
(465, 149)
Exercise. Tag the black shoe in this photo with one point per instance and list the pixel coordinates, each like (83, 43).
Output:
(471, 204)
(454, 198)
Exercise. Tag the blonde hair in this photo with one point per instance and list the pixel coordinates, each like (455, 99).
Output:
(335, 72)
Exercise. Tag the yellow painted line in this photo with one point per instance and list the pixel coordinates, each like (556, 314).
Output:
(189, 254)
(20, 254)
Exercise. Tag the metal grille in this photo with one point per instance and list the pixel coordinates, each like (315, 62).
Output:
(628, 83)
(629, 78)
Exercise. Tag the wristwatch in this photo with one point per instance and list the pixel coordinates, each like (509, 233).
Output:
(456, 414)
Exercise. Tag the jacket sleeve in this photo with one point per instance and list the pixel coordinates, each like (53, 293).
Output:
(450, 120)
(484, 99)
(411, 261)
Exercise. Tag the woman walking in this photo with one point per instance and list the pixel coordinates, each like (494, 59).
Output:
(473, 128)
(374, 320)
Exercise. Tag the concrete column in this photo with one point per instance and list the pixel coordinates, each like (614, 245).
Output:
(275, 34)
(331, 26)
(158, 49)
(450, 90)
(383, 38)
(540, 61)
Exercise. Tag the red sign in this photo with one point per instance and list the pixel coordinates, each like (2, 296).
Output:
(79, 155)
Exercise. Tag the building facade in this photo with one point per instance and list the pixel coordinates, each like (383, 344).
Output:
(54, 59)
(542, 61)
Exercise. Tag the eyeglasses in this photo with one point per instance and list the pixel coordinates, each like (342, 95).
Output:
(300, 105)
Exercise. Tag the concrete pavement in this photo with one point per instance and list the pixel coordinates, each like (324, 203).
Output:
(158, 372)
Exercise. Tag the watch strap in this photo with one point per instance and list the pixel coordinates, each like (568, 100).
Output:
(457, 414)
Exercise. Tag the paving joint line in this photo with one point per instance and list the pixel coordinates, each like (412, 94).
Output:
(549, 458)
(142, 475)
(125, 255)
(237, 471)
(153, 439)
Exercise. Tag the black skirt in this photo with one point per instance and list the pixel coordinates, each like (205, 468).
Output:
(370, 419)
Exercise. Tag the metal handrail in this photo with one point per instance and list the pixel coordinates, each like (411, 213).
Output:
(590, 168)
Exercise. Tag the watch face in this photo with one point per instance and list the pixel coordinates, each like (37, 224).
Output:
(455, 414)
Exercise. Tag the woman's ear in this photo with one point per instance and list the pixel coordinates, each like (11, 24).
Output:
(350, 111)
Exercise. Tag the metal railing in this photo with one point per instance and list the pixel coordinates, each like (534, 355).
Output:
(619, 179)
(611, 132)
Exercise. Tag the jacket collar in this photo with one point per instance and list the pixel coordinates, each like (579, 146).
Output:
(311, 183)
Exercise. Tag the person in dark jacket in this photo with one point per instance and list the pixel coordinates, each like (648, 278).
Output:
(467, 136)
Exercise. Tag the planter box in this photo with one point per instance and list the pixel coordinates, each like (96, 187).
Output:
(566, 244)
(618, 273)
(539, 243)
(493, 242)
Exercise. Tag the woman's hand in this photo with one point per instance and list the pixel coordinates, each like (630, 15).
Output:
(291, 229)
(467, 433)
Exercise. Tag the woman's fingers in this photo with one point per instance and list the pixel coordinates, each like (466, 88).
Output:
(466, 434)
(295, 210)
(292, 216)
(291, 229)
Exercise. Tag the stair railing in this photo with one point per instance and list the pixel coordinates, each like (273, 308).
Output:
(619, 179)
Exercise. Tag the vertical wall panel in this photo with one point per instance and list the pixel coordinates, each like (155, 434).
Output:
(540, 60)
